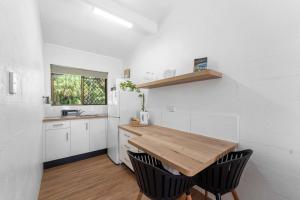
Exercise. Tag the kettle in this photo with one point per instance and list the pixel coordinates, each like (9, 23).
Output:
(144, 118)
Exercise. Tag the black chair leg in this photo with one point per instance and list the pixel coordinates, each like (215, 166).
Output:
(218, 197)
(188, 195)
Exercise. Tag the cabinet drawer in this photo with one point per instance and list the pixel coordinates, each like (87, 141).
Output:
(125, 136)
(125, 146)
(124, 156)
(128, 163)
(131, 148)
(57, 125)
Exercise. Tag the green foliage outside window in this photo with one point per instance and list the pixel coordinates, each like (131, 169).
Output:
(70, 89)
(93, 91)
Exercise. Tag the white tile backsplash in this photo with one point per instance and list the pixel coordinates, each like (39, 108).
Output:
(218, 125)
(221, 126)
(155, 116)
(53, 111)
(178, 120)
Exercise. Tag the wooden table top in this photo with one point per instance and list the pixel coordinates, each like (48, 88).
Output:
(186, 152)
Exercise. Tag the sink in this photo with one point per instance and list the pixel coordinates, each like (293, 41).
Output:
(94, 115)
(72, 116)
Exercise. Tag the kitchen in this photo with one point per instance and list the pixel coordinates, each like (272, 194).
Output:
(103, 99)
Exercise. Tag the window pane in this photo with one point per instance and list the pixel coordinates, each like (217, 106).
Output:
(66, 89)
(93, 91)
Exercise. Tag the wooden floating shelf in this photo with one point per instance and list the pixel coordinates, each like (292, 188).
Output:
(185, 78)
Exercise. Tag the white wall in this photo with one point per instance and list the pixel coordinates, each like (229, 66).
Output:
(256, 45)
(21, 114)
(64, 56)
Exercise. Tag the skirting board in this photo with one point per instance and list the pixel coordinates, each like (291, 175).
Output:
(71, 159)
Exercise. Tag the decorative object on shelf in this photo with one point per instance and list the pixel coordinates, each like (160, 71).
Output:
(169, 73)
(200, 64)
(150, 76)
(127, 73)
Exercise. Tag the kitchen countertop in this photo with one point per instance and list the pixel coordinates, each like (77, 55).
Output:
(186, 152)
(63, 118)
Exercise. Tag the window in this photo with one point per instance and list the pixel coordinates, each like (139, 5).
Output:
(71, 86)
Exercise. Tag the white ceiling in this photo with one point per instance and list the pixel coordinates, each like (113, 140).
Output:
(155, 10)
(71, 23)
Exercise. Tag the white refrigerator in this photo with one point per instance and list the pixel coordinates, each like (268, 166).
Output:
(122, 106)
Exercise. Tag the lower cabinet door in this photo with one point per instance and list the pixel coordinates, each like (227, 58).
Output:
(80, 137)
(98, 136)
(57, 144)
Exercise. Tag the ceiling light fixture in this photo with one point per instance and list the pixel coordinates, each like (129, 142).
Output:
(112, 17)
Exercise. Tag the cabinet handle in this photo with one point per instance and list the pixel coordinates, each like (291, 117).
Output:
(127, 135)
(86, 126)
(127, 146)
(67, 136)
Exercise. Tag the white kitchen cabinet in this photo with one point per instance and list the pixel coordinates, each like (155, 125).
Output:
(57, 143)
(124, 136)
(98, 134)
(80, 137)
(65, 138)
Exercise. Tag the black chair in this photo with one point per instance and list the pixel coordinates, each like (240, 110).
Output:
(224, 175)
(157, 183)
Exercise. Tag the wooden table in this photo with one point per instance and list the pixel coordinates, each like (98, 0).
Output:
(186, 152)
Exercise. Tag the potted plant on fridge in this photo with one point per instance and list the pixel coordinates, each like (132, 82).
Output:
(130, 86)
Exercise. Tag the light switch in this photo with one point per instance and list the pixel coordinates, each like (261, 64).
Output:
(12, 83)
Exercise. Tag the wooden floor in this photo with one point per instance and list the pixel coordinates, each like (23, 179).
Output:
(91, 179)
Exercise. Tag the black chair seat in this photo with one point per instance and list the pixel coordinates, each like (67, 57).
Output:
(155, 182)
(224, 175)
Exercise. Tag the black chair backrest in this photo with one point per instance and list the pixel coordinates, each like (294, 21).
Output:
(224, 175)
(154, 181)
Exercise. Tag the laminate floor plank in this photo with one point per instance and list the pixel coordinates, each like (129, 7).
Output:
(96, 178)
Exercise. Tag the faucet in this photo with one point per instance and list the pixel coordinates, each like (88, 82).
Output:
(80, 112)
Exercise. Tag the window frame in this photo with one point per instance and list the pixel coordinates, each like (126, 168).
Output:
(52, 93)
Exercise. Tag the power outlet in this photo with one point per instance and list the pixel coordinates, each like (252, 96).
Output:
(171, 108)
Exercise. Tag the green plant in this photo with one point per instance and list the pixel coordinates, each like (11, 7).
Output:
(142, 95)
(129, 85)
(68, 89)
